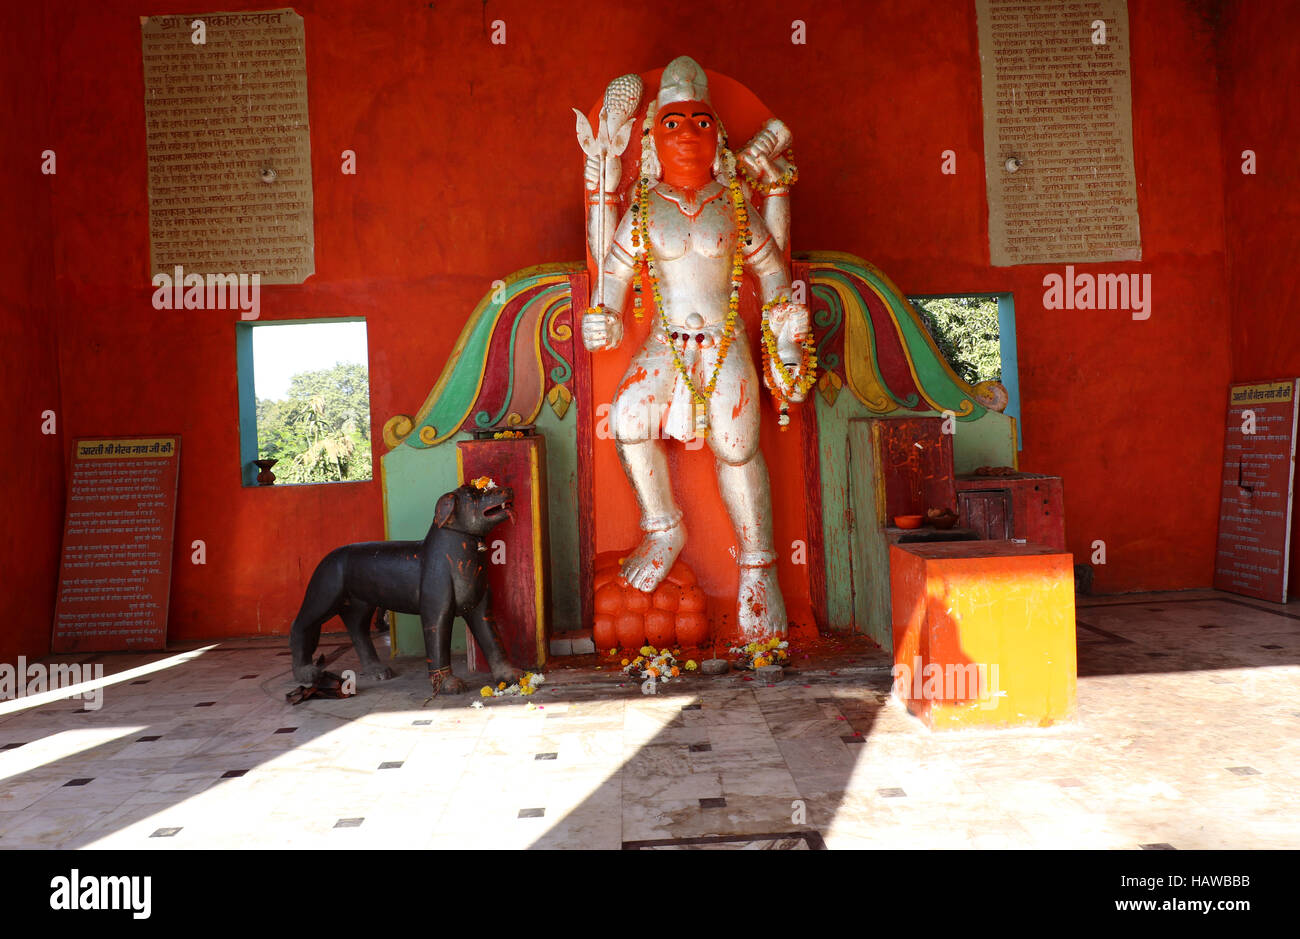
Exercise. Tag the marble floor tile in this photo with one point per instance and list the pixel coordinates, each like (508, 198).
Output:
(1196, 747)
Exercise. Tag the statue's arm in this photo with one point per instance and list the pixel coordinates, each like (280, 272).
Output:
(776, 214)
(603, 327)
(765, 159)
(619, 265)
(765, 259)
(789, 321)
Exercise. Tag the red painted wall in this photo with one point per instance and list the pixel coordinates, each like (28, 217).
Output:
(32, 474)
(468, 170)
(1260, 101)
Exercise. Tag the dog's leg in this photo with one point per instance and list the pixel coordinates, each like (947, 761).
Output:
(318, 605)
(437, 649)
(356, 617)
(304, 636)
(484, 628)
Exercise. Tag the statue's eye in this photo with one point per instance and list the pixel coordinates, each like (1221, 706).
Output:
(704, 123)
(671, 125)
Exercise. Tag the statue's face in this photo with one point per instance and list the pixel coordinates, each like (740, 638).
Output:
(686, 139)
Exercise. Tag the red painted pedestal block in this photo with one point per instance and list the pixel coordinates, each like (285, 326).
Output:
(983, 633)
(517, 568)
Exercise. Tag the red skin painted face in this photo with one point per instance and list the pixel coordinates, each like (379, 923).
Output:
(686, 139)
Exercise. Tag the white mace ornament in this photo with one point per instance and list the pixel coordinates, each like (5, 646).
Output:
(622, 98)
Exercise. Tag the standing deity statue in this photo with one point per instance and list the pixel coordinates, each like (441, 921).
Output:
(687, 239)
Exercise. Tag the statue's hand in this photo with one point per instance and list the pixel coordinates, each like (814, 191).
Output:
(602, 330)
(613, 173)
(790, 324)
(762, 155)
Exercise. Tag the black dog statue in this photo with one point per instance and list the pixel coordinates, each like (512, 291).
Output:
(438, 578)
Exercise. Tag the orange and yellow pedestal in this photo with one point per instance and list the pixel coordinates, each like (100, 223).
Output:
(983, 633)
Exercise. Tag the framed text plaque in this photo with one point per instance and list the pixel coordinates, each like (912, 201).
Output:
(115, 573)
(1256, 492)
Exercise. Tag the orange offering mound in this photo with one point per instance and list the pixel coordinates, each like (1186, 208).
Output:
(673, 614)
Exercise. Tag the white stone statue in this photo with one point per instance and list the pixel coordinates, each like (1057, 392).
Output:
(693, 227)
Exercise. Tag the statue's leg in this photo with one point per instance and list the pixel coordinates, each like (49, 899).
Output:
(635, 419)
(743, 483)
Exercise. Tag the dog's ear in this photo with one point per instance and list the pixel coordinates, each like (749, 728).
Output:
(445, 509)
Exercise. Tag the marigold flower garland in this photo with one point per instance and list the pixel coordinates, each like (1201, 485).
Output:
(656, 666)
(525, 686)
(787, 179)
(771, 359)
(759, 653)
(641, 238)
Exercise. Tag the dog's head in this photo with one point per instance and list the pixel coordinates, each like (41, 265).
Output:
(474, 510)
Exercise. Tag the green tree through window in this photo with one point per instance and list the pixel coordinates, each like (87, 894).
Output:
(320, 431)
(966, 331)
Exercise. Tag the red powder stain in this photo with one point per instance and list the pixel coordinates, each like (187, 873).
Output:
(744, 399)
(637, 376)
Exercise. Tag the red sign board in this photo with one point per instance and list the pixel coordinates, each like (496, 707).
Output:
(115, 575)
(1256, 495)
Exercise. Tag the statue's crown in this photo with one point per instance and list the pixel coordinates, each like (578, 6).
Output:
(683, 80)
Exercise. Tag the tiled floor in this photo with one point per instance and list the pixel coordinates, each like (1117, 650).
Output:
(1188, 735)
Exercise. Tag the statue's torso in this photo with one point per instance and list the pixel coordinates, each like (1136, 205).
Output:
(693, 241)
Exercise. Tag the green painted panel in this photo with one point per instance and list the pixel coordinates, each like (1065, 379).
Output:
(832, 438)
(562, 515)
(857, 594)
(247, 404)
(990, 441)
(871, 610)
(413, 481)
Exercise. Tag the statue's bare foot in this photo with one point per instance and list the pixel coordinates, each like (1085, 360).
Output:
(760, 607)
(649, 564)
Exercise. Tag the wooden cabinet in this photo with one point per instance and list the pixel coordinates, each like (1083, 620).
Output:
(1022, 505)
(987, 511)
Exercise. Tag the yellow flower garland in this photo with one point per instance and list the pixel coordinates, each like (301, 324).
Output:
(807, 365)
(788, 178)
(641, 237)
